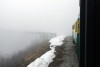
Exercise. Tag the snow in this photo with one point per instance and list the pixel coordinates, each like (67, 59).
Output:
(47, 58)
(57, 41)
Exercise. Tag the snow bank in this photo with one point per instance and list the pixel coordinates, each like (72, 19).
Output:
(47, 58)
(57, 41)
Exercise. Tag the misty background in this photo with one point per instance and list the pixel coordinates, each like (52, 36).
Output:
(52, 16)
(55, 16)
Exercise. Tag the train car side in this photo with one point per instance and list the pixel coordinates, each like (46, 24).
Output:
(76, 36)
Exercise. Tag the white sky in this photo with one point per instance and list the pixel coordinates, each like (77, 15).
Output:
(55, 16)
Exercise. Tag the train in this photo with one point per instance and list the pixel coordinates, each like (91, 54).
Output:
(76, 36)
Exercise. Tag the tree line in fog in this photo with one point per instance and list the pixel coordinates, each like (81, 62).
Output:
(17, 59)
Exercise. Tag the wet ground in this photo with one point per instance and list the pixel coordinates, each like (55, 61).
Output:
(65, 55)
(69, 57)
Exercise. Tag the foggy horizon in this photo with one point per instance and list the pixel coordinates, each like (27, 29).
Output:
(53, 16)
(27, 28)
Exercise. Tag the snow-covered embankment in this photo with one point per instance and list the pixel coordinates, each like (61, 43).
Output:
(47, 58)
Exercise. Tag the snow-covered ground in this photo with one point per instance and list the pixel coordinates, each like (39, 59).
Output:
(47, 58)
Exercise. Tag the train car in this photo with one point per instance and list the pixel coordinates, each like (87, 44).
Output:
(76, 36)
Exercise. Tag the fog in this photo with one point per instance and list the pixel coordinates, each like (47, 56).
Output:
(12, 42)
(55, 16)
